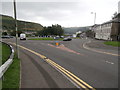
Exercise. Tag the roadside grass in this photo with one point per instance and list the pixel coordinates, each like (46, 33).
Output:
(113, 43)
(5, 52)
(76, 38)
(47, 38)
(11, 78)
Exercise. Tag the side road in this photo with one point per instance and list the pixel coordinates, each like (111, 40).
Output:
(98, 45)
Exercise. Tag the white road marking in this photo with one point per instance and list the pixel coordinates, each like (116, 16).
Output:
(109, 62)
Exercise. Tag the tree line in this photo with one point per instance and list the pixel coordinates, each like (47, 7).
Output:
(51, 30)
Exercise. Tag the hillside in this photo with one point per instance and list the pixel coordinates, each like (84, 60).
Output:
(8, 23)
(72, 30)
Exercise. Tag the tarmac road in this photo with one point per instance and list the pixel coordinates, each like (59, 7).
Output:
(98, 70)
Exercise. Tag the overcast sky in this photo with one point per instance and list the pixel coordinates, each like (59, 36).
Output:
(68, 13)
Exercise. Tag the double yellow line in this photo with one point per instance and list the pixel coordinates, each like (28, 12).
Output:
(74, 78)
(70, 75)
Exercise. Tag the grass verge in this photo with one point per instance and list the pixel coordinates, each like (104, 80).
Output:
(113, 43)
(44, 39)
(5, 52)
(12, 75)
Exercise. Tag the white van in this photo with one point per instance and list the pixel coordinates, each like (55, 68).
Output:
(22, 36)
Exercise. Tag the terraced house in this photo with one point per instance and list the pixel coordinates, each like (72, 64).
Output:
(103, 31)
(109, 30)
(115, 33)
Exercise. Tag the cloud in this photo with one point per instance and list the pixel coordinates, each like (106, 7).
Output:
(69, 13)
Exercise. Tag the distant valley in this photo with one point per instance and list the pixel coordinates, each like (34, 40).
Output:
(72, 30)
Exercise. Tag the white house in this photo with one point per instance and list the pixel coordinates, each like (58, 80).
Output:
(78, 32)
(97, 30)
(109, 30)
(74, 35)
(106, 29)
(103, 31)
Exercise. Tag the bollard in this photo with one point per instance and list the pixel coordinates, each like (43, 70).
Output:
(57, 43)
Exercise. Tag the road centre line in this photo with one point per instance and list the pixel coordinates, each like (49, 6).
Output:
(70, 75)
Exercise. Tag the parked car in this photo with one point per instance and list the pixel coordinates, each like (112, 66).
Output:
(57, 37)
(67, 39)
(11, 36)
(61, 36)
(5, 36)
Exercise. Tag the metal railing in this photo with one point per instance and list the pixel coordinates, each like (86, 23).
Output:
(5, 66)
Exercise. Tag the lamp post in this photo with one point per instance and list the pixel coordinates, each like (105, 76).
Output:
(94, 17)
(16, 29)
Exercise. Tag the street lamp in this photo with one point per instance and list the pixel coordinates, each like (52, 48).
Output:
(94, 16)
(15, 16)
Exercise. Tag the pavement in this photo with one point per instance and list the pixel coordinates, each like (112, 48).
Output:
(99, 45)
(98, 70)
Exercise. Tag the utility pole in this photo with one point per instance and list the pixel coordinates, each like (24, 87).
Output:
(16, 29)
(94, 17)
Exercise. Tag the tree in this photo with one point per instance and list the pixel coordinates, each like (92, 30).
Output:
(78, 35)
(90, 33)
(51, 30)
(13, 33)
(4, 33)
(57, 30)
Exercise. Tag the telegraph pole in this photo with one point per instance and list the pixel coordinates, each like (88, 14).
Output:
(94, 17)
(16, 29)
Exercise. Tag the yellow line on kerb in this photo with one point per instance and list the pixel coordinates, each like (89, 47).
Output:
(67, 75)
(63, 69)
(77, 80)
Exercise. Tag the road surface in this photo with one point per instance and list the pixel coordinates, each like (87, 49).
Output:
(98, 70)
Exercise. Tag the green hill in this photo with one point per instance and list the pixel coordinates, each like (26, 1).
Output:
(8, 23)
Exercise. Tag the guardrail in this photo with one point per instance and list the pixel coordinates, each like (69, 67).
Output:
(6, 65)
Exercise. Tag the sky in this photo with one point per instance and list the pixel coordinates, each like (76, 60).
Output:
(67, 13)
